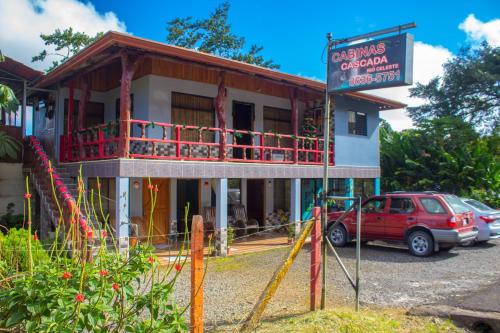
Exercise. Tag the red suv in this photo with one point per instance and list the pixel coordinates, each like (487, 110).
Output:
(425, 221)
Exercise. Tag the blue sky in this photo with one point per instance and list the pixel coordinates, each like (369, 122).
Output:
(292, 32)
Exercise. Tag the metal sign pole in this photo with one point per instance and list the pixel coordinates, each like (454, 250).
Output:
(358, 251)
(326, 160)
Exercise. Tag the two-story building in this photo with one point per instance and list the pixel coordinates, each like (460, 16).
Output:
(207, 130)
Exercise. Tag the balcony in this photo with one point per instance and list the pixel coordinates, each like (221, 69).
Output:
(166, 141)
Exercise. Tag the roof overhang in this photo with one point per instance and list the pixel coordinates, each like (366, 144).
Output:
(146, 46)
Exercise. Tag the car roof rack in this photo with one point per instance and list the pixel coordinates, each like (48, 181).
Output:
(413, 192)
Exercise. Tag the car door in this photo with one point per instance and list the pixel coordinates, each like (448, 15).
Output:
(401, 215)
(373, 212)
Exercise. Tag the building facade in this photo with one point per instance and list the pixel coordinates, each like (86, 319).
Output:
(208, 131)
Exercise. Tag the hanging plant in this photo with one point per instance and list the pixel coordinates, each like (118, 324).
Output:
(251, 133)
(238, 135)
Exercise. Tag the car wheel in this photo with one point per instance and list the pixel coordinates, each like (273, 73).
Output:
(337, 235)
(420, 243)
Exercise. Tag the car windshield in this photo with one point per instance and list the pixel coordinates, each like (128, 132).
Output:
(478, 205)
(456, 204)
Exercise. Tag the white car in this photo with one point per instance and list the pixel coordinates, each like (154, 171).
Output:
(487, 220)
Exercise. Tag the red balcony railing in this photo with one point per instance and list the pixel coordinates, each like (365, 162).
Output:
(165, 141)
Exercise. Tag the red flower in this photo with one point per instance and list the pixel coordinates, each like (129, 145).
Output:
(178, 267)
(90, 233)
(104, 234)
(156, 188)
(115, 286)
(150, 187)
(27, 195)
(79, 298)
(103, 272)
(35, 237)
(151, 260)
(66, 275)
(50, 170)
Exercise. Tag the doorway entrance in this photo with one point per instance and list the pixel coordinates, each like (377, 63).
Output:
(256, 199)
(161, 211)
(243, 117)
(188, 191)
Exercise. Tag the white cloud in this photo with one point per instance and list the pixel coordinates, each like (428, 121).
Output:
(23, 20)
(477, 30)
(427, 63)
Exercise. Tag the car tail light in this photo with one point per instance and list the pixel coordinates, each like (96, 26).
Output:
(488, 218)
(452, 222)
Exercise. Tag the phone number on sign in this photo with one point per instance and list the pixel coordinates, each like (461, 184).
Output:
(375, 78)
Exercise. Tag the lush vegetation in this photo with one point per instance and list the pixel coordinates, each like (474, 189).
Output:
(85, 283)
(455, 146)
(214, 35)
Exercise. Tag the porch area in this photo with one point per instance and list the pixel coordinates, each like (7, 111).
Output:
(251, 244)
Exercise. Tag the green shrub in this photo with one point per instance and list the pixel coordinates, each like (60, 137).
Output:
(11, 220)
(14, 250)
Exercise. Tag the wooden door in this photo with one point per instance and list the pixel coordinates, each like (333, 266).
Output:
(256, 199)
(161, 212)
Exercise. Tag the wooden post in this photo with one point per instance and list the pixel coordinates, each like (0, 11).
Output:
(100, 143)
(256, 313)
(129, 65)
(197, 275)
(315, 287)
(220, 111)
(295, 122)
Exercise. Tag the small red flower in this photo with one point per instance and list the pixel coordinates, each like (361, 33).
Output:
(27, 195)
(151, 260)
(150, 187)
(178, 267)
(90, 233)
(50, 170)
(35, 237)
(156, 188)
(66, 275)
(103, 272)
(104, 234)
(79, 298)
(115, 286)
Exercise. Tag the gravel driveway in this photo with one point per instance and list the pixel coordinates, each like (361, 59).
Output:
(389, 276)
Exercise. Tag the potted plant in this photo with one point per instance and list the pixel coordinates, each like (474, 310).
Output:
(230, 238)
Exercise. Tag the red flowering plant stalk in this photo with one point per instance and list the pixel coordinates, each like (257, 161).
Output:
(88, 283)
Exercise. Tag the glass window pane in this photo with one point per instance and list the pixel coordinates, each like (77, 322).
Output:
(432, 206)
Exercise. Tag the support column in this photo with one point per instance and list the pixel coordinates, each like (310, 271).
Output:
(221, 216)
(129, 65)
(349, 191)
(295, 191)
(23, 112)
(295, 122)
(220, 111)
(122, 212)
(376, 186)
(244, 192)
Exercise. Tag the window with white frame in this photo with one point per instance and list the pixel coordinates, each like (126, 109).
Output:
(357, 123)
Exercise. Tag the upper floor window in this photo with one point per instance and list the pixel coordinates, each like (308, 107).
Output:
(357, 123)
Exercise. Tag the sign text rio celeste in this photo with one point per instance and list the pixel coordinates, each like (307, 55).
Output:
(381, 63)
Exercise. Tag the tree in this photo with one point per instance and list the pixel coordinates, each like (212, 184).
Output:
(444, 154)
(66, 42)
(469, 89)
(8, 101)
(213, 35)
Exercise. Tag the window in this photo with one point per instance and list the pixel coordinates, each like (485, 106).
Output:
(117, 107)
(432, 206)
(234, 191)
(281, 194)
(456, 204)
(401, 206)
(363, 187)
(374, 206)
(278, 121)
(357, 123)
(478, 205)
(195, 111)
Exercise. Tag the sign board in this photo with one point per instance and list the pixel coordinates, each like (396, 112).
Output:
(381, 63)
